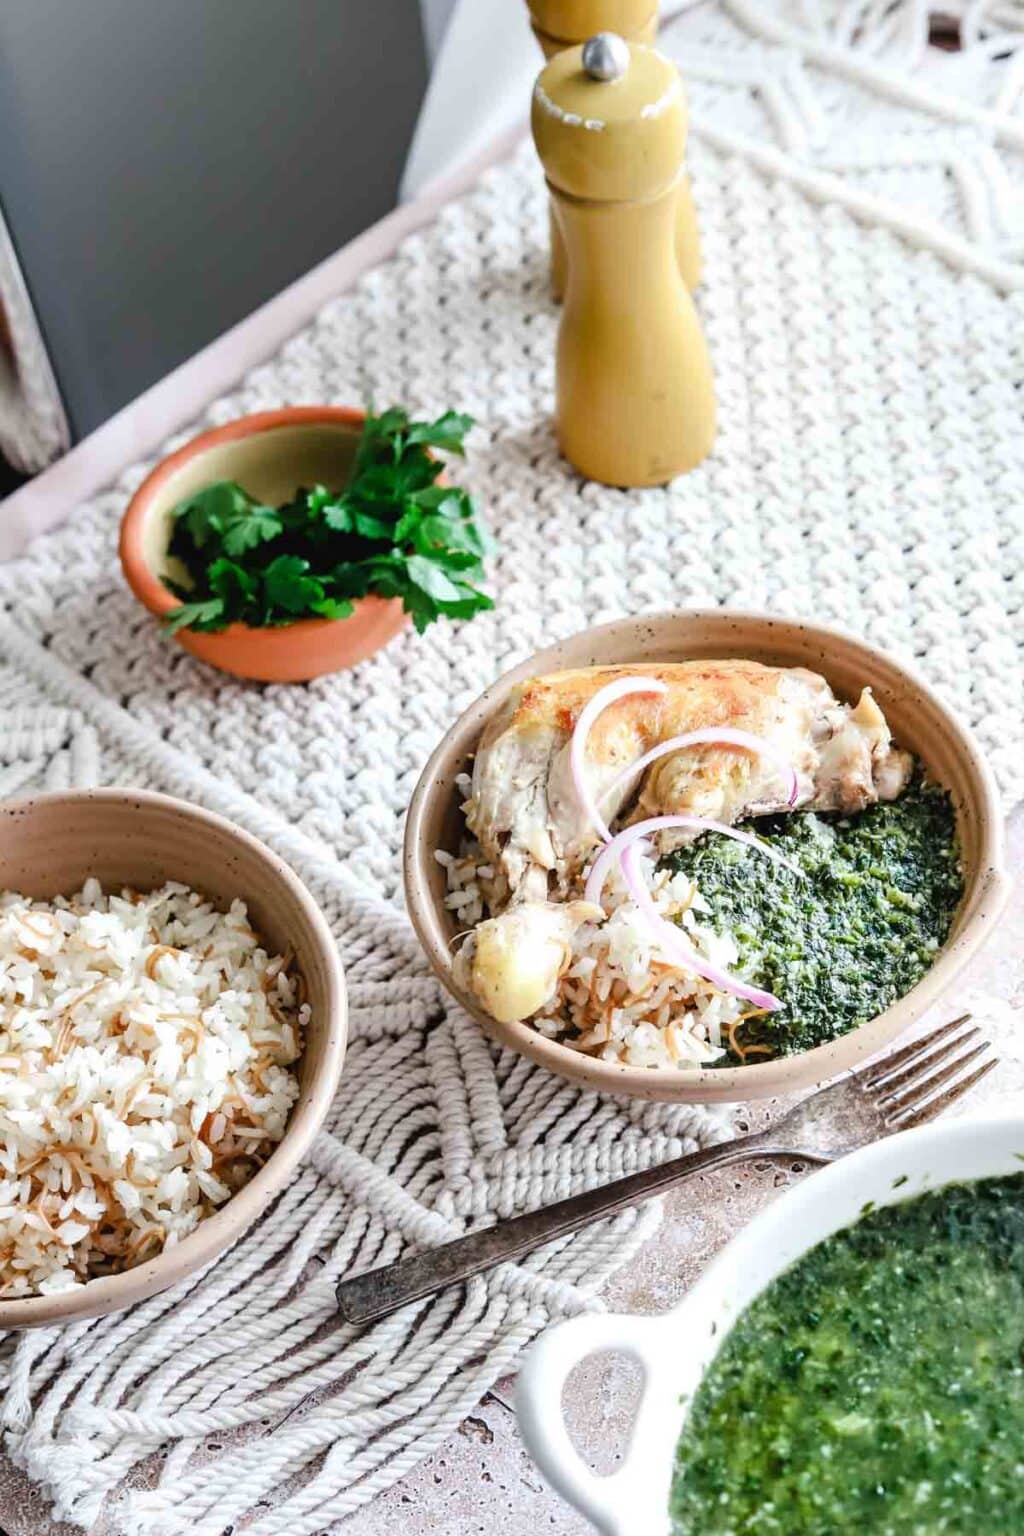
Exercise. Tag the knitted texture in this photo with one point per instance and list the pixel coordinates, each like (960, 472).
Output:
(868, 472)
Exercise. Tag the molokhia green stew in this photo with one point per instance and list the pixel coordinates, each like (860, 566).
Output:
(854, 932)
(877, 1386)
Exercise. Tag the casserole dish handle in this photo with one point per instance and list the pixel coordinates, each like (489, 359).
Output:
(628, 1501)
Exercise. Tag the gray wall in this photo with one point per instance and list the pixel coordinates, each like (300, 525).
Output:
(436, 15)
(165, 167)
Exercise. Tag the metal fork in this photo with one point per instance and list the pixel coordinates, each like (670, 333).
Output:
(907, 1087)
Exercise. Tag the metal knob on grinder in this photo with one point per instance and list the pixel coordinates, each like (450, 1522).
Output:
(606, 56)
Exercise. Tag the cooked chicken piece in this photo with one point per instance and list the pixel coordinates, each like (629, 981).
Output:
(524, 808)
(513, 962)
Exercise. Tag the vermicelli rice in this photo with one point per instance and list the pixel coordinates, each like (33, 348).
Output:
(146, 1046)
(618, 997)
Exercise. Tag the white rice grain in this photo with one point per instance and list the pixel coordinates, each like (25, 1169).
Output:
(146, 1048)
(619, 998)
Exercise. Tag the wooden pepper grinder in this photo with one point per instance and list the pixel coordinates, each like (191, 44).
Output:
(560, 24)
(634, 391)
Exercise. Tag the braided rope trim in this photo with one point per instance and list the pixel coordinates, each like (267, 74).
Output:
(818, 69)
(855, 64)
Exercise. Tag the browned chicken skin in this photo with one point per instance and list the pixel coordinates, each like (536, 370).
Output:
(524, 809)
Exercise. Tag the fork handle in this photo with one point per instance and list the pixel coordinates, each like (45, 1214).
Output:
(366, 1297)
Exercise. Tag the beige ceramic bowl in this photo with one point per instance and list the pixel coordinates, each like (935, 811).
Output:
(271, 454)
(919, 721)
(49, 846)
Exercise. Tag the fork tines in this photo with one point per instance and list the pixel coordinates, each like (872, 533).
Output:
(905, 1086)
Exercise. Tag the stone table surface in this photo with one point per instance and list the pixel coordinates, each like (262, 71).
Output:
(482, 1480)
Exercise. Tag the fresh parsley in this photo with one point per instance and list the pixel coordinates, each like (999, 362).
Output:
(392, 530)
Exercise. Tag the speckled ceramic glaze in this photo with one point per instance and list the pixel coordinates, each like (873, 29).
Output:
(271, 454)
(919, 721)
(49, 846)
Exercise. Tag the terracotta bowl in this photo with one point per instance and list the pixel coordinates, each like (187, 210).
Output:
(49, 846)
(919, 721)
(271, 454)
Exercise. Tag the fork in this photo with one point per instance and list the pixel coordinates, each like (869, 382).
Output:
(907, 1087)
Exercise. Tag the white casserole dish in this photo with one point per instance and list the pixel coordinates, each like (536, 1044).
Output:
(675, 1348)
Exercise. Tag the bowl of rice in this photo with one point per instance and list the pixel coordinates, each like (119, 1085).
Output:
(172, 1031)
(622, 1017)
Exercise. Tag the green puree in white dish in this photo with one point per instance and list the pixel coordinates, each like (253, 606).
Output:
(852, 933)
(877, 1386)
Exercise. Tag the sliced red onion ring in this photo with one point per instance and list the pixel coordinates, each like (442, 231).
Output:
(643, 829)
(671, 941)
(620, 689)
(712, 736)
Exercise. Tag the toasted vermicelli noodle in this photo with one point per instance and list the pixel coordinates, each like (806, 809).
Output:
(146, 1047)
(618, 997)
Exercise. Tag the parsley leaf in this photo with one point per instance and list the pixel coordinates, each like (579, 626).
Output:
(230, 581)
(205, 615)
(429, 577)
(333, 607)
(286, 585)
(340, 515)
(225, 512)
(260, 526)
(390, 529)
(446, 432)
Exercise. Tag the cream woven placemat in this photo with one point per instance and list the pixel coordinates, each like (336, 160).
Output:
(868, 472)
